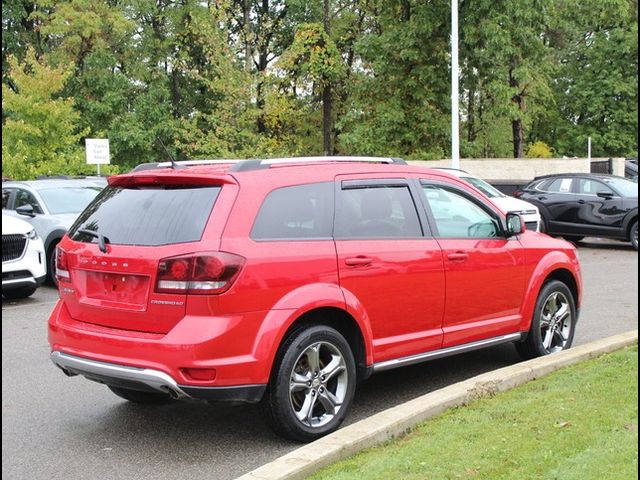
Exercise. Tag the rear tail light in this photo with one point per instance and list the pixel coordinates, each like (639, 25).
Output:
(518, 193)
(62, 265)
(204, 274)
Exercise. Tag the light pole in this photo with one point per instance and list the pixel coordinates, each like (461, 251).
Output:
(455, 113)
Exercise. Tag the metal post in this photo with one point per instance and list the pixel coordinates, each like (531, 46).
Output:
(98, 165)
(455, 114)
(589, 148)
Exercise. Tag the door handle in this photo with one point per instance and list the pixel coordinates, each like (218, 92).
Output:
(359, 261)
(457, 256)
(581, 202)
(542, 197)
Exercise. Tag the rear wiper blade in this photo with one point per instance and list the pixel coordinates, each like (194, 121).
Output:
(102, 240)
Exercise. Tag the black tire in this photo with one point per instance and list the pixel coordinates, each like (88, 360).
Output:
(633, 235)
(283, 396)
(573, 238)
(51, 265)
(138, 396)
(16, 293)
(560, 329)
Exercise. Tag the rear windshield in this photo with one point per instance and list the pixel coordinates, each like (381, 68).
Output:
(147, 216)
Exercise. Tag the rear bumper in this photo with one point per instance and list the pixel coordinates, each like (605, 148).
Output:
(161, 361)
(146, 379)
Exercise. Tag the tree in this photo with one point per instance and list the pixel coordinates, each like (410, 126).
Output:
(39, 126)
(596, 83)
(313, 59)
(507, 64)
(399, 100)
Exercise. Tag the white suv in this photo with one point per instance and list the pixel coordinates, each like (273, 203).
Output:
(23, 259)
(526, 210)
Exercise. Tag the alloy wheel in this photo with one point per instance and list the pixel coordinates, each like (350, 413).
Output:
(556, 322)
(318, 384)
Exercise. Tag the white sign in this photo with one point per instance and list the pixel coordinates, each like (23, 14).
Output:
(97, 151)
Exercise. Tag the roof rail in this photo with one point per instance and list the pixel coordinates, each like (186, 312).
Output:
(185, 163)
(247, 165)
(259, 164)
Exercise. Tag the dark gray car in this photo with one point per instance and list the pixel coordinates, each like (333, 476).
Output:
(51, 206)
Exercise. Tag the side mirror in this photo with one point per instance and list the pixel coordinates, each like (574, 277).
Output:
(605, 195)
(26, 210)
(515, 224)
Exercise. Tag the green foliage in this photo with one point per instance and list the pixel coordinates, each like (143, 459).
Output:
(399, 96)
(539, 150)
(312, 57)
(39, 127)
(243, 79)
(596, 88)
(578, 423)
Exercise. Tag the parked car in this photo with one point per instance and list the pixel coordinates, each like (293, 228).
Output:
(50, 206)
(526, 210)
(631, 168)
(23, 260)
(577, 205)
(287, 281)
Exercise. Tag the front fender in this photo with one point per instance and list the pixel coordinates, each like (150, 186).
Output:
(54, 237)
(554, 261)
(293, 306)
(629, 218)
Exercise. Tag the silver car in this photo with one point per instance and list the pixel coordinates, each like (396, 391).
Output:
(51, 206)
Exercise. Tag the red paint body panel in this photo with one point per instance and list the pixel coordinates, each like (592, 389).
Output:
(402, 291)
(485, 288)
(414, 295)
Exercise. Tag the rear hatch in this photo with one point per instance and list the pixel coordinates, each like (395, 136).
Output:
(109, 266)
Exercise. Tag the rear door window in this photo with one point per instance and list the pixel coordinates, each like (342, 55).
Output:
(147, 216)
(376, 211)
(560, 185)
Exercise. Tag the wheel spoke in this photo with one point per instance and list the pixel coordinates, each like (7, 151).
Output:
(305, 414)
(313, 357)
(334, 367)
(298, 382)
(559, 337)
(329, 401)
(548, 336)
(563, 311)
(545, 320)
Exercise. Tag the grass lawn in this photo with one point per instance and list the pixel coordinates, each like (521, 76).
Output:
(578, 423)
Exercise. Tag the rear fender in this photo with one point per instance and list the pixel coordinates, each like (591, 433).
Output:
(295, 305)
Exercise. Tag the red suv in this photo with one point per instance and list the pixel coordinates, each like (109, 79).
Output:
(287, 281)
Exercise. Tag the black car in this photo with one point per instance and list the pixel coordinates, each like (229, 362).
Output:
(577, 205)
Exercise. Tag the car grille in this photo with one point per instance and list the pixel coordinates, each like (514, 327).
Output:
(531, 225)
(13, 247)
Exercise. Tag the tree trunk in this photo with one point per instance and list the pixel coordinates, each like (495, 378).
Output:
(518, 138)
(327, 105)
(517, 128)
(248, 53)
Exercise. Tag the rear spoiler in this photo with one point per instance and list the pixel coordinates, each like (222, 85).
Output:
(168, 178)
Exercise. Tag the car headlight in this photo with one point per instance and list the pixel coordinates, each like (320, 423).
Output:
(32, 235)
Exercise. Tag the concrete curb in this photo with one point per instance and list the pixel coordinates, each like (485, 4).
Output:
(397, 421)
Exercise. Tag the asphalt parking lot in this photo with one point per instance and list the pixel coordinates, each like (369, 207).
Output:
(58, 427)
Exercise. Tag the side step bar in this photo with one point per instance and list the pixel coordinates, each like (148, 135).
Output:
(445, 352)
